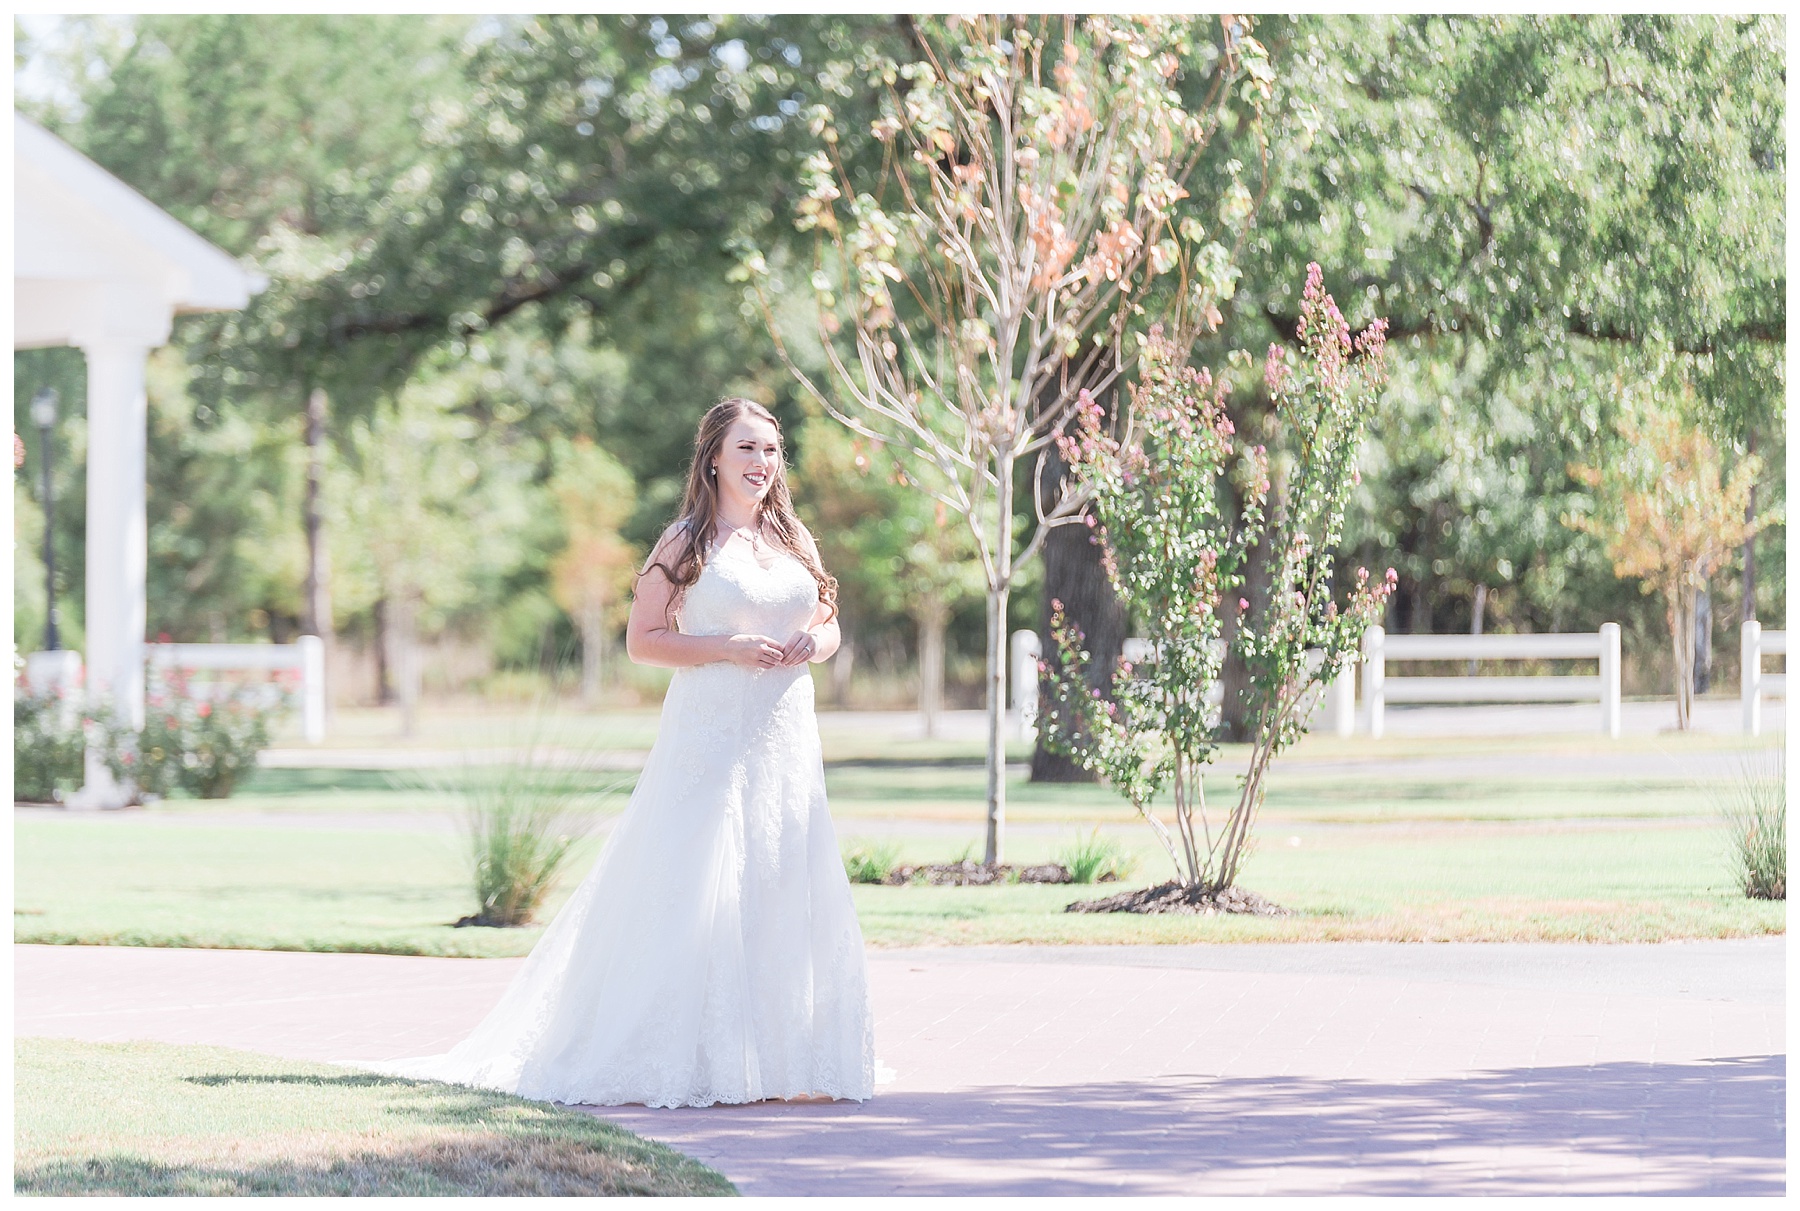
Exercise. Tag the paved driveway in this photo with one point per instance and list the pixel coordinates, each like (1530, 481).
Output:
(1346, 1068)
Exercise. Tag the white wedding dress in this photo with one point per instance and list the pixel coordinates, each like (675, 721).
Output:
(713, 953)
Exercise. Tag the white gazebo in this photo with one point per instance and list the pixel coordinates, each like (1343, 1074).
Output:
(98, 266)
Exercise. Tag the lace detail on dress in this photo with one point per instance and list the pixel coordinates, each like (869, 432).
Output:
(713, 953)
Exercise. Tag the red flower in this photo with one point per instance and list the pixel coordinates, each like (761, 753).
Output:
(204, 709)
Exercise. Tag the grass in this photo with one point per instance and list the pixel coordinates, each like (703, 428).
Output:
(154, 1119)
(869, 862)
(1756, 814)
(140, 883)
(1092, 857)
(312, 860)
(1395, 883)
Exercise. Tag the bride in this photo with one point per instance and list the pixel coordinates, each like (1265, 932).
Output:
(713, 953)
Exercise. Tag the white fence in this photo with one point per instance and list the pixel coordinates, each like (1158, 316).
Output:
(1756, 684)
(1602, 646)
(1339, 700)
(305, 656)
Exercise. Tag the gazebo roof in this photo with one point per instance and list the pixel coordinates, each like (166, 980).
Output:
(94, 260)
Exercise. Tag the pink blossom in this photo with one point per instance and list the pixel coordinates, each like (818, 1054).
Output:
(1242, 605)
(1276, 369)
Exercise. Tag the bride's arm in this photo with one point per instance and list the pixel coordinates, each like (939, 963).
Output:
(823, 628)
(651, 637)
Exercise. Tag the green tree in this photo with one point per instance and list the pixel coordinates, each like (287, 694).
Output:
(1027, 199)
(1667, 511)
(899, 549)
(278, 138)
(592, 576)
(428, 519)
(1530, 199)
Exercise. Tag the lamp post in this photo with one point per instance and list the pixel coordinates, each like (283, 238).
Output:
(43, 412)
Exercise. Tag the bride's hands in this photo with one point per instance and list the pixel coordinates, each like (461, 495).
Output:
(799, 648)
(755, 651)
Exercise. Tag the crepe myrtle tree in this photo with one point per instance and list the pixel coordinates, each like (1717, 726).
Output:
(1024, 215)
(1667, 511)
(1176, 539)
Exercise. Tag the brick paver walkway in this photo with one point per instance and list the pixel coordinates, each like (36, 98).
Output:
(1173, 1070)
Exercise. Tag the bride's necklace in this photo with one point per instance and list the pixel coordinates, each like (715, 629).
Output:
(753, 533)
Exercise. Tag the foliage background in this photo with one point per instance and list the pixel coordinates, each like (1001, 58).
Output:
(518, 231)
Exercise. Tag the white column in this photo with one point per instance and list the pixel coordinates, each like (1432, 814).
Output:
(1611, 694)
(1750, 675)
(1340, 699)
(115, 607)
(1024, 656)
(312, 687)
(1374, 678)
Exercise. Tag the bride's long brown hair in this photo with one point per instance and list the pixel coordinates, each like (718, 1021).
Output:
(700, 507)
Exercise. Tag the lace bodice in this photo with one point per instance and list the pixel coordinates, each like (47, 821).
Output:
(737, 595)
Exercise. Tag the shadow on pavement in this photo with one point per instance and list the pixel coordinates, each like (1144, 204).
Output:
(1716, 1127)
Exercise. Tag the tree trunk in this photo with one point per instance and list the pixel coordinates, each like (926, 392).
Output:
(933, 620)
(1478, 617)
(994, 852)
(403, 643)
(384, 655)
(1074, 575)
(593, 650)
(1749, 606)
(842, 665)
(1702, 640)
(1235, 722)
(1681, 635)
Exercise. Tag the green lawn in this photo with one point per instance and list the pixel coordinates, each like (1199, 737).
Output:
(345, 860)
(153, 1119)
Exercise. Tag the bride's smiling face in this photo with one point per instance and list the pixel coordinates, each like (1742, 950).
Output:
(747, 462)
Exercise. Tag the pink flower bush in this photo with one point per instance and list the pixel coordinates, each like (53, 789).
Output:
(1178, 506)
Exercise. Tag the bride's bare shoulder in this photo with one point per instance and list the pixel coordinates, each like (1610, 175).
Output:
(806, 539)
(668, 547)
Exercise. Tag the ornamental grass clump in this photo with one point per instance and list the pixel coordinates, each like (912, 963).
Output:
(1179, 502)
(522, 821)
(869, 862)
(1095, 859)
(1755, 811)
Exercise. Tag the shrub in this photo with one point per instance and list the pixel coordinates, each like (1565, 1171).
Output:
(869, 862)
(47, 746)
(201, 744)
(1094, 859)
(1755, 812)
(1180, 503)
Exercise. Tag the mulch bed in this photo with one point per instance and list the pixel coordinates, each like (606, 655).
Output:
(974, 874)
(1186, 901)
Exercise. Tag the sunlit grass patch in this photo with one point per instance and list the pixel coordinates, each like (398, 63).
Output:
(154, 1119)
(1518, 858)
